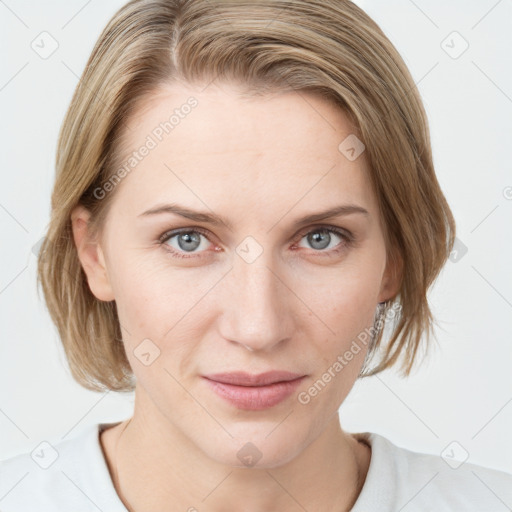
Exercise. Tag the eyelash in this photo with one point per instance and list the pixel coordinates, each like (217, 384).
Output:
(348, 240)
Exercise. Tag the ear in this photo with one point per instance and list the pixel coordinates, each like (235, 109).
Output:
(90, 255)
(392, 278)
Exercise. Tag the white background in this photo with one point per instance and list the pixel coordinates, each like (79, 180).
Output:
(463, 392)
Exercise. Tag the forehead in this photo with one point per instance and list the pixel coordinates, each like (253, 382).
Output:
(215, 145)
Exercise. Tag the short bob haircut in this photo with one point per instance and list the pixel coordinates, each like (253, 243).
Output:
(331, 48)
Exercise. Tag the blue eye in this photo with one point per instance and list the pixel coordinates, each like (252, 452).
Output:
(320, 239)
(188, 240)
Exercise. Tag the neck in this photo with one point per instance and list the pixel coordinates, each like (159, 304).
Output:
(158, 467)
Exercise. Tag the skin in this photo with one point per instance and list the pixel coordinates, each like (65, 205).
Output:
(261, 163)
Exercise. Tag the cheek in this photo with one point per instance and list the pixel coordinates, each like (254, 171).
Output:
(345, 302)
(150, 295)
(163, 305)
(344, 298)
(339, 354)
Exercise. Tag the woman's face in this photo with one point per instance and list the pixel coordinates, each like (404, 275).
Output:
(259, 290)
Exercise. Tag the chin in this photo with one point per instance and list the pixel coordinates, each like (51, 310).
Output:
(255, 448)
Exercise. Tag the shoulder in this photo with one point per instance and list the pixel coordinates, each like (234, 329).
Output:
(412, 481)
(69, 474)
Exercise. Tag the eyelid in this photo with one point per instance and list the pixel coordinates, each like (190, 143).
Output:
(173, 232)
(319, 227)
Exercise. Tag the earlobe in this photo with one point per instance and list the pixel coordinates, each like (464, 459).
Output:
(91, 256)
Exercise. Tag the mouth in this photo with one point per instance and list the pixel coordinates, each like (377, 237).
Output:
(254, 392)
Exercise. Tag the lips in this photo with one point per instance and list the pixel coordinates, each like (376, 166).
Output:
(254, 392)
(247, 379)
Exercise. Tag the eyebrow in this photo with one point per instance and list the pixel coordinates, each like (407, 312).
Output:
(217, 220)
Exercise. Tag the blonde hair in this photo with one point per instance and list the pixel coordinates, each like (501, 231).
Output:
(326, 47)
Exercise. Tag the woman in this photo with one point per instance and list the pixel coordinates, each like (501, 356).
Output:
(286, 144)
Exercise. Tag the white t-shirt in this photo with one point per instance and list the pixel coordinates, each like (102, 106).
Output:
(72, 476)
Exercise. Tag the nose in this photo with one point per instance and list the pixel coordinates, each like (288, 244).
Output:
(256, 306)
